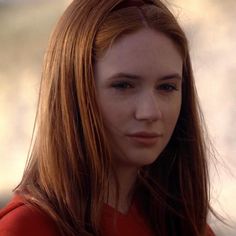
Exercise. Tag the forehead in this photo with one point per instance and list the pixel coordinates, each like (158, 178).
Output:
(145, 52)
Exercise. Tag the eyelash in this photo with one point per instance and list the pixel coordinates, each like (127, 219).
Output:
(168, 87)
(122, 85)
(125, 85)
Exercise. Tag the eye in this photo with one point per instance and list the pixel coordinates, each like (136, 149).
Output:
(122, 85)
(168, 87)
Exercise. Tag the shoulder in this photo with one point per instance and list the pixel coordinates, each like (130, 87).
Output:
(18, 219)
(210, 231)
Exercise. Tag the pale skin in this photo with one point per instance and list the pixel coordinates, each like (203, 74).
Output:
(139, 82)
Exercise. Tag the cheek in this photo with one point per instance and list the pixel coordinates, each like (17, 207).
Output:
(114, 108)
(171, 113)
(113, 114)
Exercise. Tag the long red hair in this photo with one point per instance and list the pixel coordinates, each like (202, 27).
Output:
(67, 173)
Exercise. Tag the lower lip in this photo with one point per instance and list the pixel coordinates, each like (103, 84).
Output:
(145, 141)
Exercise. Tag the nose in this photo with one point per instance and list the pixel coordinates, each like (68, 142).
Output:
(148, 108)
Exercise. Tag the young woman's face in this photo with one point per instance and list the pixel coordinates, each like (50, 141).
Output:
(138, 84)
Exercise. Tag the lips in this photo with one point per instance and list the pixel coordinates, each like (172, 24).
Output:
(144, 138)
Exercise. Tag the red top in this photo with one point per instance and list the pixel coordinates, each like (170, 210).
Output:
(19, 219)
(132, 223)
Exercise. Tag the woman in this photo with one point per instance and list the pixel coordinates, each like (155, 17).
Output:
(119, 147)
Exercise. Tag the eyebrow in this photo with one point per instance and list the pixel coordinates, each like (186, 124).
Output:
(137, 77)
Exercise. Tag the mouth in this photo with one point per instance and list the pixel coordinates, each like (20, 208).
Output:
(144, 138)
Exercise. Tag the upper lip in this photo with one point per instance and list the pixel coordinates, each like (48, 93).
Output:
(145, 134)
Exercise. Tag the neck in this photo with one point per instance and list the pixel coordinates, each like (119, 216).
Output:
(126, 178)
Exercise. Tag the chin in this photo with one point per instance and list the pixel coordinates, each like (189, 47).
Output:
(140, 161)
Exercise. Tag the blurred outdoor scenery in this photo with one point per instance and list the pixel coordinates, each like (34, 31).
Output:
(25, 27)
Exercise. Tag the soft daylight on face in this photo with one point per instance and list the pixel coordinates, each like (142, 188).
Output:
(139, 93)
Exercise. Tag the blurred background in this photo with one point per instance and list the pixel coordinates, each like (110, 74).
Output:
(25, 27)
